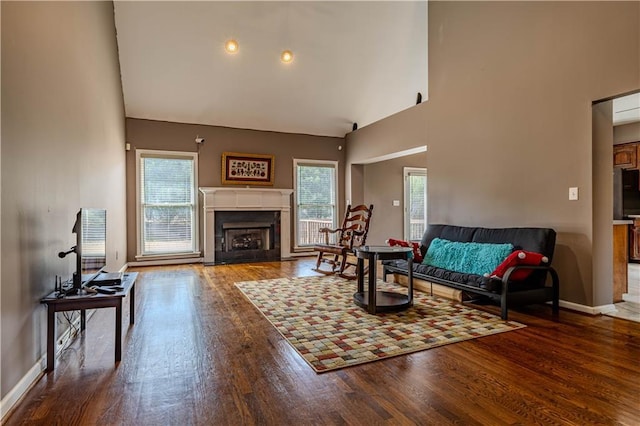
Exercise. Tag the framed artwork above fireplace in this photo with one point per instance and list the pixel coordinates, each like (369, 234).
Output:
(247, 169)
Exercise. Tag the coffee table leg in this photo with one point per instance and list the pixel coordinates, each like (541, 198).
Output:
(360, 273)
(373, 258)
(410, 267)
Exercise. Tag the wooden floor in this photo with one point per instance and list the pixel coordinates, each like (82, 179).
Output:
(201, 354)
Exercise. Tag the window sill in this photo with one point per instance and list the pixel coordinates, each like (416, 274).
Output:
(143, 257)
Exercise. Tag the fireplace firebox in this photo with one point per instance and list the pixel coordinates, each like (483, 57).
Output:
(247, 236)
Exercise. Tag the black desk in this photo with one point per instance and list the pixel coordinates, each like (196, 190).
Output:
(84, 301)
(381, 301)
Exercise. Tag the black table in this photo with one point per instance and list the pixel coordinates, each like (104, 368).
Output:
(84, 301)
(381, 301)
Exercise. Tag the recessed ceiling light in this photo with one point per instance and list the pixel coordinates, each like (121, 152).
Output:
(231, 46)
(286, 56)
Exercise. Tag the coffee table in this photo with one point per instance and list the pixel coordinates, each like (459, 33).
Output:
(375, 301)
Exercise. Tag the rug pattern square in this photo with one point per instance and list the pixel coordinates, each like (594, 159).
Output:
(317, 316)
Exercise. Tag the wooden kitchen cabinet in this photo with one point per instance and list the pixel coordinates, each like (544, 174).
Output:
(620, 253)
(634, 240)
(626, 155)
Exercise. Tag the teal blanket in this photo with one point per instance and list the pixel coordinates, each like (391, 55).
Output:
(468, 258)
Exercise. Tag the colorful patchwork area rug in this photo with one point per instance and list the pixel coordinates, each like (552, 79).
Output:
(317, 316)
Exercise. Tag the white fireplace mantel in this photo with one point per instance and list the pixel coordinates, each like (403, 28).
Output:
(246, 199)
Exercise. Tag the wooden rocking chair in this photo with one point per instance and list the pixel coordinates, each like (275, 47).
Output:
(353, 233)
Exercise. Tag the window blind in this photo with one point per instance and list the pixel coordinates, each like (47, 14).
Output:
(315, 201)
(167, 204)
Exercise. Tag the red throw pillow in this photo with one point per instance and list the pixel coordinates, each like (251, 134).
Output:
(519, 257)
(417, 255)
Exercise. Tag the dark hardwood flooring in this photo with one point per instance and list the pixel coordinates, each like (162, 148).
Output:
(201, 354)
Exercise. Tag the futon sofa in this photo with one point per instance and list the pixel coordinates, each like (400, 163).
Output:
(505, 290)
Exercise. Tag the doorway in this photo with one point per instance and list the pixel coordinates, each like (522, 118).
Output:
(415, 203)
(626, 140)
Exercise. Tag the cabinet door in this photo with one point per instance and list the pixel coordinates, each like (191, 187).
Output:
(625, 155)
(620, 260)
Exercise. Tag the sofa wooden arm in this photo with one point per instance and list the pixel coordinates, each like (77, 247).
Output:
(555, 285)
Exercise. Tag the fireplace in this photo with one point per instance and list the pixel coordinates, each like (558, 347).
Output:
(247, 236)
(241, 236)
(256, 221)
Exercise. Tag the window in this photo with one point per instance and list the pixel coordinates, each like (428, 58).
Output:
(316, 192)
(415, 203)
(166, 194)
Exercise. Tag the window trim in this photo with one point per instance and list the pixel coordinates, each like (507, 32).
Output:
(150, 153)
(299, 161)
(406, 217)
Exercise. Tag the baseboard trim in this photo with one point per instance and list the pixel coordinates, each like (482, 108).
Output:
(166, 262)
(11, 399)
(591, 310)
(35, 373)
(302, 254)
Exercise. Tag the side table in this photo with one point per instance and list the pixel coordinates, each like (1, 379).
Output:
(375, 301)
(84, 301)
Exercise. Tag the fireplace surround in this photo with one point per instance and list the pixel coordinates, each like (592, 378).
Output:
(247, 236)
(252, 225)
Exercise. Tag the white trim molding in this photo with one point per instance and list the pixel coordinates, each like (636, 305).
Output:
(591, 310)
(245, 199)
(21, 388)
(176, 155)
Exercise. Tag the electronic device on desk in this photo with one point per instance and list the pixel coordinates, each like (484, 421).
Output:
(91, 247)
(107, 279)
(103, 290)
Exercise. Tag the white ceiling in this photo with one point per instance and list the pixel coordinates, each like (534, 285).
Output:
(626, 109)
(353, 62)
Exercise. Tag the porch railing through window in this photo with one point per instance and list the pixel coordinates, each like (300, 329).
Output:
(416, 229)
(309, 230)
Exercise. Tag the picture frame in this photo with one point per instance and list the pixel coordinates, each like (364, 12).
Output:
(247, 169)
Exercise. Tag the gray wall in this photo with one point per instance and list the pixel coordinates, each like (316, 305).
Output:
(167, 136)
(383, 183)
(508, 120)
(626, 133)
(62, 149)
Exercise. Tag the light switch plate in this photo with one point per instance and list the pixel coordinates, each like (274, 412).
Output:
(573, 193)
(396, 203)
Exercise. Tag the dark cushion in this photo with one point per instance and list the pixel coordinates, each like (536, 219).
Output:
(538, 240)
(445, 232)
(446, 274)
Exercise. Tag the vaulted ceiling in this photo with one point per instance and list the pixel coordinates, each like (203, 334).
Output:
(354, 62)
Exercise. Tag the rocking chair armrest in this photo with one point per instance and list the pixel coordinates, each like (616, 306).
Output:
(328, 230)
